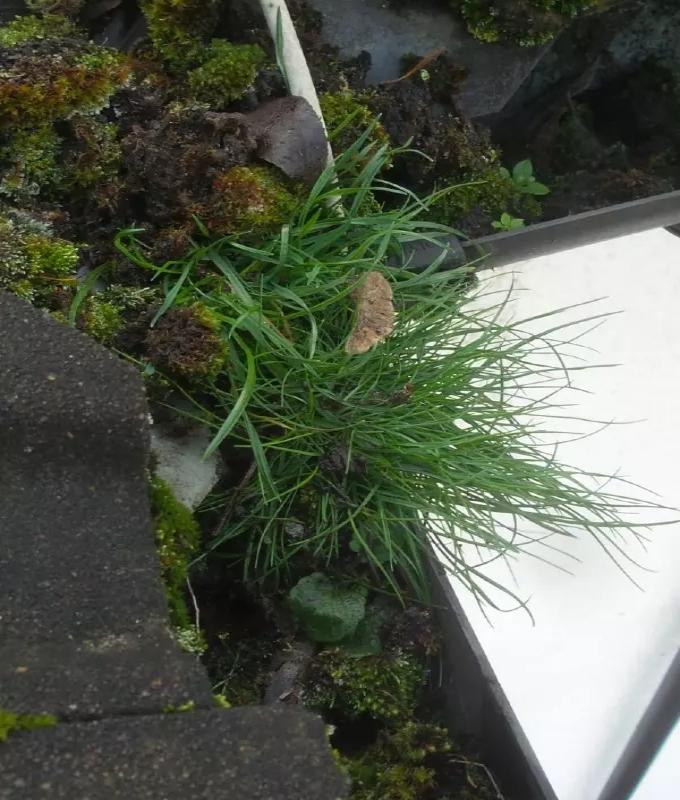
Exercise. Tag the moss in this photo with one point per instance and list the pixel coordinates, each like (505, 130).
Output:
(111, 312)
(56, 258)
(189, 706)
(12, 723)
(226, 73)
(177, 539)
(476, 191)
(179, 29)
(171, 243)
(48, 80)
(101, 320)
(526, 22)
(30, 28)
(32, 262)
(247, 199)
(221, 701)
(489, 192)
(399, 765)
(187, 343)
(347, 118)
(384, 687)
(29, 161)
(66, 7)
(93, 154)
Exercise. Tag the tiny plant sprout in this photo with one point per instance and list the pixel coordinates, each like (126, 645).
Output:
(507, 223)
(524, 179)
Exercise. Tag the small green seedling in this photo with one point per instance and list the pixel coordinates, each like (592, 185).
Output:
(507, 223)
(524, 179)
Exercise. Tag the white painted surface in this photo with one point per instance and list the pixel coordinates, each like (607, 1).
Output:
(581, 677)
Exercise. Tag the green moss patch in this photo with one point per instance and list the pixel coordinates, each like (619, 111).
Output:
(11, 723)
(226, 73)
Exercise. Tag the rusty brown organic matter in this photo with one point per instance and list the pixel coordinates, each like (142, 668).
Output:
(374, 314)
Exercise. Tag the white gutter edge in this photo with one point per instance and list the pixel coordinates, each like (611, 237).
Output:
(297, 74)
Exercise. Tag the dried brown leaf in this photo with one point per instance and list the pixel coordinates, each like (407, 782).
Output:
(374, 314)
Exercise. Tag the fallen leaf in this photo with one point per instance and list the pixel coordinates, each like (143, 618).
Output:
(424, 62)
(374, 314)
(290, 136)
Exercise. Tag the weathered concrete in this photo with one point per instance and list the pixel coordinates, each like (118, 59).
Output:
(241, 754)
(83, 618)
(122, 673)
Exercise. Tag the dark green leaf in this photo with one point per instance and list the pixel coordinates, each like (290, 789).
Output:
(327, 611)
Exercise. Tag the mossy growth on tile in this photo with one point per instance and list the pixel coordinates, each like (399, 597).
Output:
(227, 71)
(252, 198)
(347, 117)
(384, 687)
(29, 161)
(177, 539)
(526, 22)
(187, 343)
(33, 263)
(180, 29)
(49, 79)
(190, 705)
(11, 723)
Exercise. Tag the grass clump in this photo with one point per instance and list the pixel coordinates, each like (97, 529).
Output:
(433, 431)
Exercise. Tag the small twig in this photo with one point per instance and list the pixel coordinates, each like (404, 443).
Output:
(424, 62)
(197, 611)
(487, 771)
(229, 508)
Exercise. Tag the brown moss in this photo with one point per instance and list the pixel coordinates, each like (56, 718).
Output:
(186, 343)
(92, 154)
(247, 198)
(172, 161)
(47, 80)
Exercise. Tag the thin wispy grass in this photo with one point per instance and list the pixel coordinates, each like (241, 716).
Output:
(437, 433)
